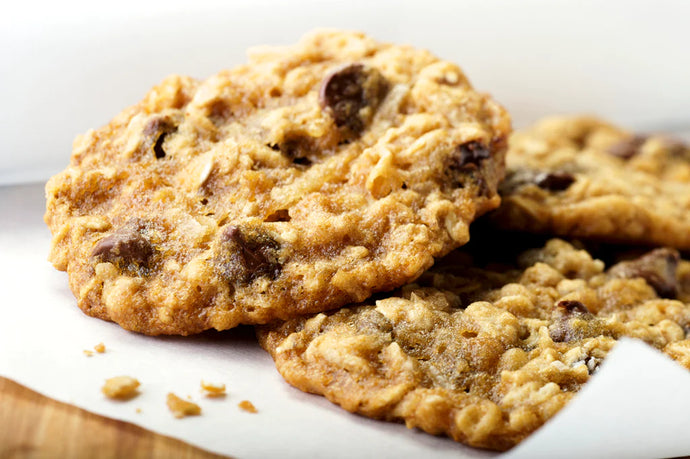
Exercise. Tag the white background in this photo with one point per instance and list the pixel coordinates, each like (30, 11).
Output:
(67, 66)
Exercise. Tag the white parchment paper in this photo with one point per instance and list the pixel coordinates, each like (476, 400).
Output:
(636, 406)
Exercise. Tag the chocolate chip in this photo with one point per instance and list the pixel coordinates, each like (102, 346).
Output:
(347, 91)
(627, 148)
(248, 255)
(657, 268)
(554, 181)
(572, 307)
(155, 132)
(126, 246)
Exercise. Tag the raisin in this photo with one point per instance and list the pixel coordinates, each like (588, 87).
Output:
(628, 148)
(657, 268)
(347, 91)
(470, 155)
(554, 181)
(155, 133)
(464, 164)
(248, 255)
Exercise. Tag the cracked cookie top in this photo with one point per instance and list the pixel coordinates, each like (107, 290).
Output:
(486, 355)
(311, 177)
(581, 177)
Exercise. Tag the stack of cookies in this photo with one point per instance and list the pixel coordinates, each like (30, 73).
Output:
(325, 191)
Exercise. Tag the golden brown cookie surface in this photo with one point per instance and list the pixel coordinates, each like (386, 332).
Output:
(485, 356)
(581, 177)
(309, 178)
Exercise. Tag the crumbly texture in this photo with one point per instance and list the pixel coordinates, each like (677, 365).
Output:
(485, 356)
(121, 388)
(181, 408)
(247, 406)
(212, 389)
(309, 178)
(581, 177)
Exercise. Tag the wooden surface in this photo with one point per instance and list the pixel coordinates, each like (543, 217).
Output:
(34, 426)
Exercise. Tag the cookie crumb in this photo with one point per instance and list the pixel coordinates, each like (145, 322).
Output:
(120, 387)
(181, 408)
(100, 348)
(138, 410)
(88, 353)
(247, 406)
(213, 390)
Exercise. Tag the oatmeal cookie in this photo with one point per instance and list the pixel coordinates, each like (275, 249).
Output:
(485, 356)
(309, 178)
(581, 177)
